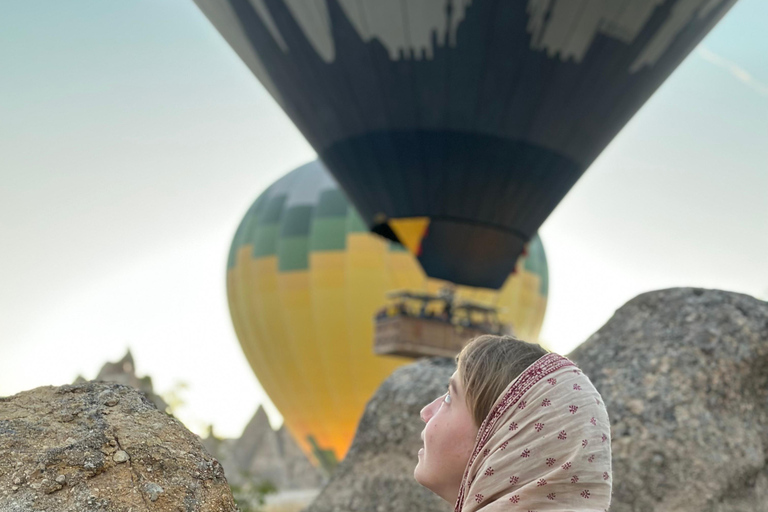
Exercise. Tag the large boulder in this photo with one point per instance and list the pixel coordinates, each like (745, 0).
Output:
(102, 447)
(684, 374)
(377, 473)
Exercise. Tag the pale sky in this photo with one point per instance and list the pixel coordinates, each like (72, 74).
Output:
(133, 140)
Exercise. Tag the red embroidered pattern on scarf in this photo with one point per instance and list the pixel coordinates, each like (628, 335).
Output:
(530, 377)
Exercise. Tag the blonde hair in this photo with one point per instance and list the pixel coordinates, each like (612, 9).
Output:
(486, 366)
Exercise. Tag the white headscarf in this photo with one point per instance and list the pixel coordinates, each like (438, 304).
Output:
(545, 446)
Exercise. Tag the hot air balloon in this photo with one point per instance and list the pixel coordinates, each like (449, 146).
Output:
(305, 278)
(456, 127)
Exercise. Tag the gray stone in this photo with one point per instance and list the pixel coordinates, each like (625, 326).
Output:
(377, 473)
(42, 450)
(684, 374)
(263, 454)
(109, 399)
(153, 491)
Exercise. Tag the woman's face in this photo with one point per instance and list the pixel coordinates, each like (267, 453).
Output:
(449, 438)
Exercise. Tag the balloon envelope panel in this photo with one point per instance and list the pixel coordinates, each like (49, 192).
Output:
(305, 278)
(476, 115)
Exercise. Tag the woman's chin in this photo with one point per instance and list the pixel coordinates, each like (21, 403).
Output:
(417, 472)
(424, 482)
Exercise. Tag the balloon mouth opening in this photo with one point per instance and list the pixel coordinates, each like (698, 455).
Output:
(385, 231)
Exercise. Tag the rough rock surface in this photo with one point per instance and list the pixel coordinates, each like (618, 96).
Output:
(377, 473)
(684, 373)
(264, 454)
(124, 372)
(102, 447)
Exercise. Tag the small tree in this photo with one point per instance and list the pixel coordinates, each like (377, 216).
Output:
(173, 397)
(251, 496)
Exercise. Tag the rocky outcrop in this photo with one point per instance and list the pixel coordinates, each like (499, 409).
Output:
(260, 455)
(263, 454)
(124, 372)
(684, 374)
(102, 447)
(299, 472)
(377, 473)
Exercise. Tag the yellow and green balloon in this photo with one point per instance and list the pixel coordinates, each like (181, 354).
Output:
(305, 278)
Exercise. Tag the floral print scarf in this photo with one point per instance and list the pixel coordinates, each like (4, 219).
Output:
(544, 447)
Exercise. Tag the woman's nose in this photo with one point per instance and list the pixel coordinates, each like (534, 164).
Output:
(423, 414)
(428, 411)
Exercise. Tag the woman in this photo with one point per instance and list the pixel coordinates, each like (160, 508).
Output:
(518, 429)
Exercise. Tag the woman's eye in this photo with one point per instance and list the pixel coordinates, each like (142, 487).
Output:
(447, 398)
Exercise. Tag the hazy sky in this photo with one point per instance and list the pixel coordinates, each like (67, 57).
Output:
(133, 139)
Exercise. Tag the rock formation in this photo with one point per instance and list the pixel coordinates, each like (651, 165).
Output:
(102, 447)
(684, 374)
(264, 454)
(377, 473)
(260, 455)
(124, 372)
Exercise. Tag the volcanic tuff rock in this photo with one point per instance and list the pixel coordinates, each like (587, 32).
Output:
(102, 447)
(377, 473)
(124, 372)
(260, 454)
(263, 454)
(684, 374)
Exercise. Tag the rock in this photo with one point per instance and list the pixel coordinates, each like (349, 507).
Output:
(300, 474)
(109, 399)
(124, 372)
(377, 473)
(684, 374)
(262, 454)
(153, 491)
(164, 464)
